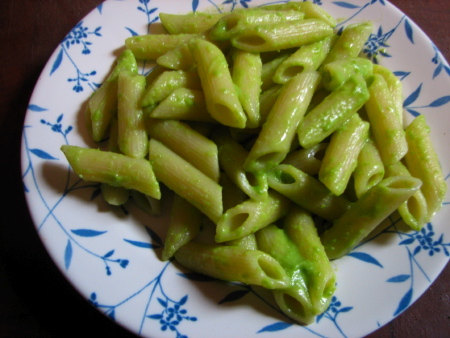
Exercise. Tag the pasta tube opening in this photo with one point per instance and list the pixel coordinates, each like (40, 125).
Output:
(271, 270)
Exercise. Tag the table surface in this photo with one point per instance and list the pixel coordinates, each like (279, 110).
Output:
(35, 298)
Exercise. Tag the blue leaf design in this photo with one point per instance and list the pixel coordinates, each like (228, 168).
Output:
(365, 258)
(68, 255)
(139, 244)
(405, 301)
(440, 102)
(133, 33)
(233, 296)
(401, 74)
(407, 241)
(36, 108)
(275, 327)
(409, 31)
(413, 112)
(100, 8)
(162, 302)
(88, 232)
(42, 154)
(109, 254)
(346, 309)
(194, 5)
(437, 71)
(346, 4)
(183, 300)
(413, 97)
(399, 279)
(156, 316)
(57, 62)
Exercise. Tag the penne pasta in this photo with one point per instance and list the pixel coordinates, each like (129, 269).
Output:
(332, 112)
(278, 132)
(185, 180)
(192, 23)
(132, 135)
(233, 263)
(361, 218)
(386, 127)
(250, 216)
(184, 225)
(307, 191)
(341, 155)
(114, 169)
(422, 162)
(266, 38)
(195, 148)
(221, 97)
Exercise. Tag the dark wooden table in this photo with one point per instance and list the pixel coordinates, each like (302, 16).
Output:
(35, 299)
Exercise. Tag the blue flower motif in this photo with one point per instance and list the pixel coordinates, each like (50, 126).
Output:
(234, 3)
(426, 241)
(78, 35)
(377, 44)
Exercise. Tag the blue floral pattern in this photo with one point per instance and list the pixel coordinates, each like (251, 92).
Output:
(111, 254)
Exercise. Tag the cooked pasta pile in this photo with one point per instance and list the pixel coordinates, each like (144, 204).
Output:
(263, 122)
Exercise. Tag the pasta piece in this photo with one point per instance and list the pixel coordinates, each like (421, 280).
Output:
(231, 194)
(395, 88)
(191, 23)
(231, 159)
(118, 170)
(278, 132)
(387, 129)
(307, 192)
(114, 195)
(166, 83)
(307, 57)
(414, 211)
(423, 163)
(132, 135)
(184, 225)
(337, 72)
(195, 148)
(266, 38)
(221, 96)
(311, 10)
(350, 42)
(102, 105)
(250, 216)
(307, 160)
(369, 169)
(183, 104)
(332, 112)
(341, 155)
(366, 213)
(152, 46)
(185, 180)
(246, 75)
(298, 249)
(233, 263)
(235, 22)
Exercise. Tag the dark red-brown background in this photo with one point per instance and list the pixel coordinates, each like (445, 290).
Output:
(35, 299)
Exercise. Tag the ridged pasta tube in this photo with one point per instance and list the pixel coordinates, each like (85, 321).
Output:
(187, 181)
(307, 191)
(118, 170)
(250, 216)
(233, 263)
(366, 213)
(422, 162)
(221, 96)
(267, 38)
(278, 132)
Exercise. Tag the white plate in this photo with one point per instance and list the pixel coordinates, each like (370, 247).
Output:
(112, 258)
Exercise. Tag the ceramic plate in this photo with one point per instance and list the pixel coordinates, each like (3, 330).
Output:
(112, 257)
